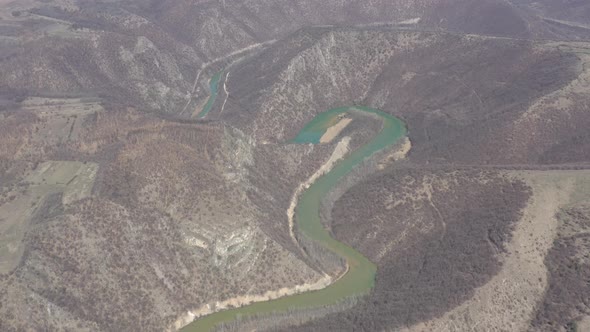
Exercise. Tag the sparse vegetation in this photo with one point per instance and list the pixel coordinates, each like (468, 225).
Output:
(568, 262)
(119, 210)
(424, 231)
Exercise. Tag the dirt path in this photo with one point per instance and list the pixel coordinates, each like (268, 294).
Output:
(507, 302)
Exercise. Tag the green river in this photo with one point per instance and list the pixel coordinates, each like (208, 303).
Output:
(360, 277)
(213, 87)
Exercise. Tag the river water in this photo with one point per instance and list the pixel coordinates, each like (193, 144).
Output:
(360, 277)
(213, 90)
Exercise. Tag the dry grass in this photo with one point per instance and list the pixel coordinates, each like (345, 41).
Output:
(508, 301)
(73, 180)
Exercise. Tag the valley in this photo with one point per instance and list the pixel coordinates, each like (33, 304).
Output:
(270, 165)
(358, 277)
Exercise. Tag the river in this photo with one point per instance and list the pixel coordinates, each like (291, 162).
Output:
(360, 277)
(213, 90)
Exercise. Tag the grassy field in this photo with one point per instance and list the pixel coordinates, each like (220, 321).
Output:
(71, 180)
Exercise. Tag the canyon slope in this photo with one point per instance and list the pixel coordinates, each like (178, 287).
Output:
(124, 206)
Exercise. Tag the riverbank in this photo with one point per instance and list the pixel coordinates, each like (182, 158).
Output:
(360, 278)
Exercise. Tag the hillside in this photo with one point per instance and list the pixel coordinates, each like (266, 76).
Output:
(150, 173)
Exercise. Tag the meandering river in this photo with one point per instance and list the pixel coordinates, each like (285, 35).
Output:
(360, 277)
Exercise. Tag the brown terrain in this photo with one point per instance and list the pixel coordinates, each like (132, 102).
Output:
(121, 210)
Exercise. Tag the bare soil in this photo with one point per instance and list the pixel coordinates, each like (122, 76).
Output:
(508, 301)
(335, 130)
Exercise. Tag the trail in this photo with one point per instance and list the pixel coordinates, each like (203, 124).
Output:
(428, 190)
